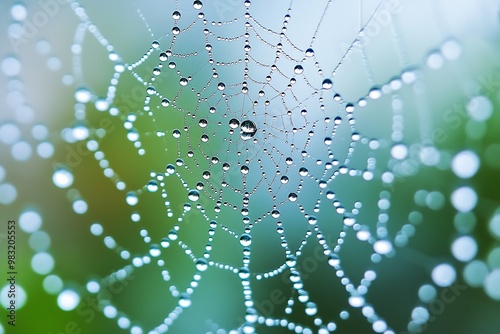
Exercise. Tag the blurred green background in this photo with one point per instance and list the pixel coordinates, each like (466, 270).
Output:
(45, 61)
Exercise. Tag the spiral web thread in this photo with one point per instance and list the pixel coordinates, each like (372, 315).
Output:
(264, 122)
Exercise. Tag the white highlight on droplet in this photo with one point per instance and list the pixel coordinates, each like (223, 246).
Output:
(464, 199)
(96, 229)
(465, 164)
(444, 275)
(382, 247)
(18, 12)
(399, 151)
(62, 178)
(68, 300)
(80, 206)
(93, 287)
(110, 311)
(30, 221)
(464, 248)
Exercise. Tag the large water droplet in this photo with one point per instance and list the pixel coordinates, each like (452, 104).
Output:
(176, 15)
(234, 123)
(244, 273)
(184, 300)
(244, 169)
(152, 186)
(193, 195)
(303, 171)
(201, 264)
(245, 240)
(154, 250)
(197, 4)
(248, 129)
(62, 178)
(327, 84)
(170, 169)
(83, 95)
(132, 198)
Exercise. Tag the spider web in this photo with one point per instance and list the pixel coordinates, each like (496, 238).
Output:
(267, 147)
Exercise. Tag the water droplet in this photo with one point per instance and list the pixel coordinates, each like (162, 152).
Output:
(176, 31)
(132, 198)
(382, 247)
(170, 169)
(245, 240)
(172, 235)
(154, 250)
(197, 5)
(309, 52)
(83, 95)
(244, 273)
(443, 275)
(291, 261)
(244, 169)
(284, 179)
(193, 195)
(303, 171)
(221, 86)
(292, 197)
(163, 56)
(234, 123)
(133, 135)
(327, 84)
(152, 186)
(203, 123)
(375, 93)
(62, 178)
(165, 103)
(68, 300)
(184, 300)
(333, 260)
(176, 15)
(349, 221)
(248, 129)
(183, 81)
(298, 69)
(201, 264)
(311, 308)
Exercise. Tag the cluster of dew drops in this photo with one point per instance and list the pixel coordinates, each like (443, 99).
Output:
(247, 130)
